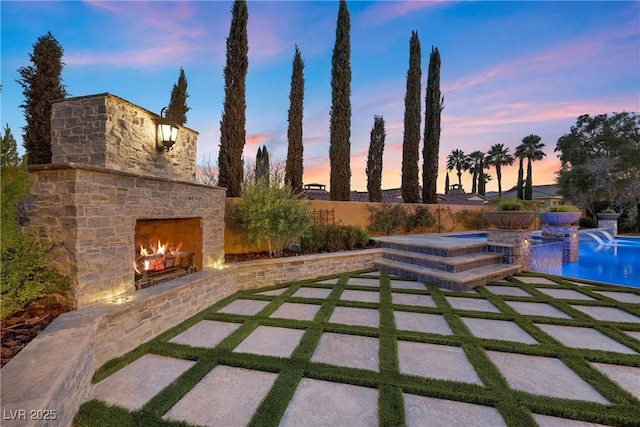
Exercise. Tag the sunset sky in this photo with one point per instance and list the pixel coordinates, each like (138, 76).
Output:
(509, 69)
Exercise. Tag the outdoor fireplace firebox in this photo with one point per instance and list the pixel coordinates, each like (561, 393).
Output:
(166, 249)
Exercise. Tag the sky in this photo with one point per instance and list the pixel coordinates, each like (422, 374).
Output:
(509, 69)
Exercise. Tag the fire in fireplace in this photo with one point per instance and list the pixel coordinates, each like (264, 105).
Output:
(166, 249)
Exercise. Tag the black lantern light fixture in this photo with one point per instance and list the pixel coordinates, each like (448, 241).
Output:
(166, 132)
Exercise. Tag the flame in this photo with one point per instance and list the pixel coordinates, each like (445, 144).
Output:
(135, 267)
(146, 264)
(143, 251)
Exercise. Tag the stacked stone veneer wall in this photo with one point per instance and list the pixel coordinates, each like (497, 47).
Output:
(611, 225)
(514, 245)
(62, 360)
(108, 132)
(568, 235)
(90, 214)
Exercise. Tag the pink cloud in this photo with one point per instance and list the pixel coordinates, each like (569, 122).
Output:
(382, 12)
(258, 138)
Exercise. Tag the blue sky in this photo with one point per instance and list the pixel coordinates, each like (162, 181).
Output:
(509, 69)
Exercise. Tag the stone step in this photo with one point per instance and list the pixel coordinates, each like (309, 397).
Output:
(449, 264)
(461, 281)
(444, 247)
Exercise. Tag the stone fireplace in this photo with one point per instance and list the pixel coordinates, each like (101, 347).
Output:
(109, 190)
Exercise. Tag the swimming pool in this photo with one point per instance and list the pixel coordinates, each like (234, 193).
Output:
(616, 262)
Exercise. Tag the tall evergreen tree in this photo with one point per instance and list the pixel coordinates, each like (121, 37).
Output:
(294, 166)
(533, 152)
(340, 128)
(412, 119)
(232, 125)
(41, 85)
(434, 104)
(520, 155)
(262, 165)
(178, 108)
(446, 183)
(14, 187)
(499, 156)
(374, 160)
(476, 161)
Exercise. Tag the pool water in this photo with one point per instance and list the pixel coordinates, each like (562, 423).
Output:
(616, 262)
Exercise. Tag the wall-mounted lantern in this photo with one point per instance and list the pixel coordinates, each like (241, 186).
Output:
(166, 132)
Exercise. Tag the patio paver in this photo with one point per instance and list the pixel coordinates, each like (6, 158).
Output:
(412, 299)
(247, 307)
(206, 333)
(355, 316)
(578, 337)
(318, 293)
(421, 322)
(610, 314)
(565, 294)
(549, 421)
(271, 341)
(621, 296)
(473, 304)
(429, 411)
(360, 281)
(297, 311)
(407, 284)
(441, 362)
(537, 309)
(347, 350)
(498, 330)
(273, 292)
(627, 377)
(363, 296)
(535, 280)
(508, 290)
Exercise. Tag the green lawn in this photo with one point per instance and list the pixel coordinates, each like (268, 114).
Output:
(514, 406)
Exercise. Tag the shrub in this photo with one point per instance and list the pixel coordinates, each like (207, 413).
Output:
(586, 222)
(563, 208)
(335, 237)
(272, 214)
(388, 218)
(510, 205)
(420, 219)
(27, 276)
(628, 219)
(472, 219)
(609, 210)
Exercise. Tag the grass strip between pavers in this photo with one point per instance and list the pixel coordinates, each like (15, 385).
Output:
(516, 407)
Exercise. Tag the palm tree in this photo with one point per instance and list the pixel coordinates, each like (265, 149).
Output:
(533, 151)
(458, 160)
(476, 165)
(520, 155)
(498, 157)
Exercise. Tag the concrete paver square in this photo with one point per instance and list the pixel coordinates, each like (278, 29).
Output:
(352, 351)
(544, 376)
(355, 316)
(373, 273)
(610, 314)
(226, 396)
(535, 280)
(363, 296)
(475, 304)
(537, 309)
(271, 341)
(329, 281)
(407, 284)
(513, 291)
(292, 310)
(412, 299)
(206, 333)
(578, 337)
(360, 281)
(627, 377)
(247, 307)
(470, 291)
(565, 294)
(549, 421)
(324, 403)
(273, 292)
(430, 411)
(135, 384)
(421, 322)
(441, 362)
(319, 293)
(498, 330)
(621, 296)
(634, 334)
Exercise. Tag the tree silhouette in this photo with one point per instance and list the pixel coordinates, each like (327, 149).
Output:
(533, 151)
(434, 104)
(459, 161)
(177, 110)
(340, 127)
(232, 125)
(499, 156)
(374, 160)
(412, 118)
(294, 165)
(41, 85)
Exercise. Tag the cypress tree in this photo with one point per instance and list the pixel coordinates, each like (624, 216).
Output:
(340, 128)
(262, 165)
(294, 166)
(178, 108)
(374, 160)
(411, 142)
(232, 125)
(446, 183)
(520, 155)
(434, 104)
(41, 85)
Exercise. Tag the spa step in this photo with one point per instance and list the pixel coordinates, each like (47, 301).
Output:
(454, 264)
(445, 247)
(461, 281)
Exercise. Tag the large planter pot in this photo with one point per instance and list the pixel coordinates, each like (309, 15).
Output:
(510, 220)
(559, 218)
(608, 215)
